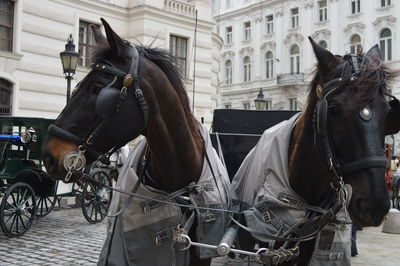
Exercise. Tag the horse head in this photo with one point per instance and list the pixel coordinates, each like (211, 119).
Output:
(349, 115)
(95, 119)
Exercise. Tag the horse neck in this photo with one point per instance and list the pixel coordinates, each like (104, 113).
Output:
(309, 173)
(176, 147)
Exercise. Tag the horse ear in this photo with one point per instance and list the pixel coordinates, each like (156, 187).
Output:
(326, 60)
(375, 51)
(116, 43)
(392, 123)
(98, 35)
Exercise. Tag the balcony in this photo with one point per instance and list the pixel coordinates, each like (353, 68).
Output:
(180, 7)
(289, 78)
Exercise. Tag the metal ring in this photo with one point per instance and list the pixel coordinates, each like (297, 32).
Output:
(189, 241)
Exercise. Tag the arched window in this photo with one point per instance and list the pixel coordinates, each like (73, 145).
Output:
(385, 43)
(228, 72)
(355, 44)
(269, 65)
(5, 97)
(323, 44)
(246, 69)
(295, 59)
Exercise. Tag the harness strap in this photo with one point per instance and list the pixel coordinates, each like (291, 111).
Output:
(366, 162)
(64, 134)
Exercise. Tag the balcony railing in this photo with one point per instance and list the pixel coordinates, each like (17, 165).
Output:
(288, 78)
(180, 7)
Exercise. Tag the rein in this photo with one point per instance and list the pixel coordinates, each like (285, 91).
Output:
(109, 102)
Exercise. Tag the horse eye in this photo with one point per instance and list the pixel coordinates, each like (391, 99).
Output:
(334, 110)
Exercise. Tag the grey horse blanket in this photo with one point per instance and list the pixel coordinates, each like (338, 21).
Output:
(143, 233)
(261, 188)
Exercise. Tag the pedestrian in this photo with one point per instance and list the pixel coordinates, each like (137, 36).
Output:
(354, 229)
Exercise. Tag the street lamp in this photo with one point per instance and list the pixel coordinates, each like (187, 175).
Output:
(69, 60)
(260, 102)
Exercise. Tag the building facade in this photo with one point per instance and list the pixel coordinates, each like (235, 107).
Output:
(33, 33)
(266, 45)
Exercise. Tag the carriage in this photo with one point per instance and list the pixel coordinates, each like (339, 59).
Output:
(27, 191)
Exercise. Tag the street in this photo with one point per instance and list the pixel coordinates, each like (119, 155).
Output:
(64, 237)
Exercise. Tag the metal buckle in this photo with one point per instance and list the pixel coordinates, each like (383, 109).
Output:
(207, 216)
(148, 205)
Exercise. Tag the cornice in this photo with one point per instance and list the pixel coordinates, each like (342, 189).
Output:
(321, 34)
(246, 50)
(388, 20)
(268, 45)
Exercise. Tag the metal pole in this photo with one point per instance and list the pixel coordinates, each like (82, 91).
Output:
(69, 78)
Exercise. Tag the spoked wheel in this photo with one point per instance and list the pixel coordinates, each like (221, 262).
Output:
(45, 205)
(96, 199)
(17, 209)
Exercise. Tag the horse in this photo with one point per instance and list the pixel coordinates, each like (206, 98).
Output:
(155, 105)
(341, 133)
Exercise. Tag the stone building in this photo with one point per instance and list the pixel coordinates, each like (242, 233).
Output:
(266, 45)
(33, 33)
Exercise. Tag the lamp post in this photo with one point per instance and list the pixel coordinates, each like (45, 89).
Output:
(69, 60)
(260, 102)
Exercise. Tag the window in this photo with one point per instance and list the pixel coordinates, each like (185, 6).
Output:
(269, 65)
(268, 105)
(228, 106)
(323, 11)
(228, 38)
(247, 30)
(294, 59)
(293, 104)
(5, 97)
(87, 43)
(228, 72)
(246, 106)
(355, 44)
(6, 25)
(269, 20)
(355, 6)
(323, 44)
(385, 3)
(385, 43)
(246, 69)
(178, 48)
(295, 17)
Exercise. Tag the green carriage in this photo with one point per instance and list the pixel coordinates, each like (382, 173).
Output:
(26, 189)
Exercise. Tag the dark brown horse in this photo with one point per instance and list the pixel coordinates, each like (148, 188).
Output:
(156, 105)
(347, 110)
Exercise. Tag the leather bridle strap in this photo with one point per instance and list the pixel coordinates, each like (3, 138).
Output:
(364, 163)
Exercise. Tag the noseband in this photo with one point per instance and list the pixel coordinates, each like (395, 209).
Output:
(322, 130)
(108, 104)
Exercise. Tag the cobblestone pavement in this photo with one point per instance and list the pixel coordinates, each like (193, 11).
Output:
(64, 237)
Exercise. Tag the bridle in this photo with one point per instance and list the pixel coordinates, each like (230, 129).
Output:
(321, 129)
(108, 104)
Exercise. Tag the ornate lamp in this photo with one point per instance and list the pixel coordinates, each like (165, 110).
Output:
(69, 60)
(260, 102)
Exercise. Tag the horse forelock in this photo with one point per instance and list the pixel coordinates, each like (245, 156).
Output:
(374, 78)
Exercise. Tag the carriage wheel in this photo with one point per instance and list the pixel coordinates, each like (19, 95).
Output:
(45, 205)
(17, 209)
(95, 199)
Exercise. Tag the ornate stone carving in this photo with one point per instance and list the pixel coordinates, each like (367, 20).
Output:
(358, 27)
(387, 21)
(268, 46)
(321, 34)
(293, 37)
(246, 50)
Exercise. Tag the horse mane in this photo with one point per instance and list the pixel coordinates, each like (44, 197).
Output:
(374, 78)
(166, 62)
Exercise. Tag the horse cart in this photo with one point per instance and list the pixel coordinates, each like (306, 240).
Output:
(26, 190)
